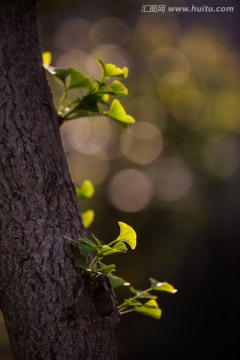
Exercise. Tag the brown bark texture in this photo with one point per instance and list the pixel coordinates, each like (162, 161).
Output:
(51, 311)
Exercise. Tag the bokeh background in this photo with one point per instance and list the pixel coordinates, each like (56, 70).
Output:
(174, 176)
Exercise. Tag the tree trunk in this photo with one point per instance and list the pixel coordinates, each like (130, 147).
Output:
(47, 304)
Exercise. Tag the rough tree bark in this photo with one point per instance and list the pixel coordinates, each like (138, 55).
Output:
(50, 310)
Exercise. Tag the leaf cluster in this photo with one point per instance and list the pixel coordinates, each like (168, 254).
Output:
(144, 301)
(89, 256)
(91, 252)
(93, 95)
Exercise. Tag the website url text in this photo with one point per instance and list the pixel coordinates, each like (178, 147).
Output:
(190, 9)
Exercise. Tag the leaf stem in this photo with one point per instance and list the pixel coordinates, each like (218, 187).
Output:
(63, 98)
(64, 117)
(140, 293)
(124, 305)
(125, 311)
(113, 242)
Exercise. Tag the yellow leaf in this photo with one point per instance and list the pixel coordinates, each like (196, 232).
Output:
(87, 218)
(46, 58)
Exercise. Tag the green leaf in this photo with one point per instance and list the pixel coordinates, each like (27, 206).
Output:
(78, 79)
(107, 269)
(154, 282)
(127, 234)
(86, 246)
(133, 290)
(104, 99)
(117, 281)
(60, 73)
(87, 218)
(119, 247)
(106, 250)
(147, 295)
(118, 113)
(150, 308)
(118, 88)
(132, 303)
(85, 191)
(162, 286)
(105, 89)
(89, 103)
(46, 58)
(110, 70)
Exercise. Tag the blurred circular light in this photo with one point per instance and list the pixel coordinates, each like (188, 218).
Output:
(191, 108)
(84, 166)
(109, 32)
(203, 49)
(172, 179)
(86, 135)
(130, 190)
(73, 35)
(221, 155)
(112, 146)
(169, 65)
(147, 108)
(142, 144)
(99, 136)
(76, 60)
(226, 109)
(175, 78)
(75, 133)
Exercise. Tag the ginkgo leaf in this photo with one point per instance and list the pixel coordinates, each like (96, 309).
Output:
(118, 113)
(87, 218)
(79, 80)
(150, 308)
(119, 247)
(106, 270)
(46, 58)
(162, 286)
(85, 191)
(117, 281)
(127, 234)
(110, 70)
(115, 88)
